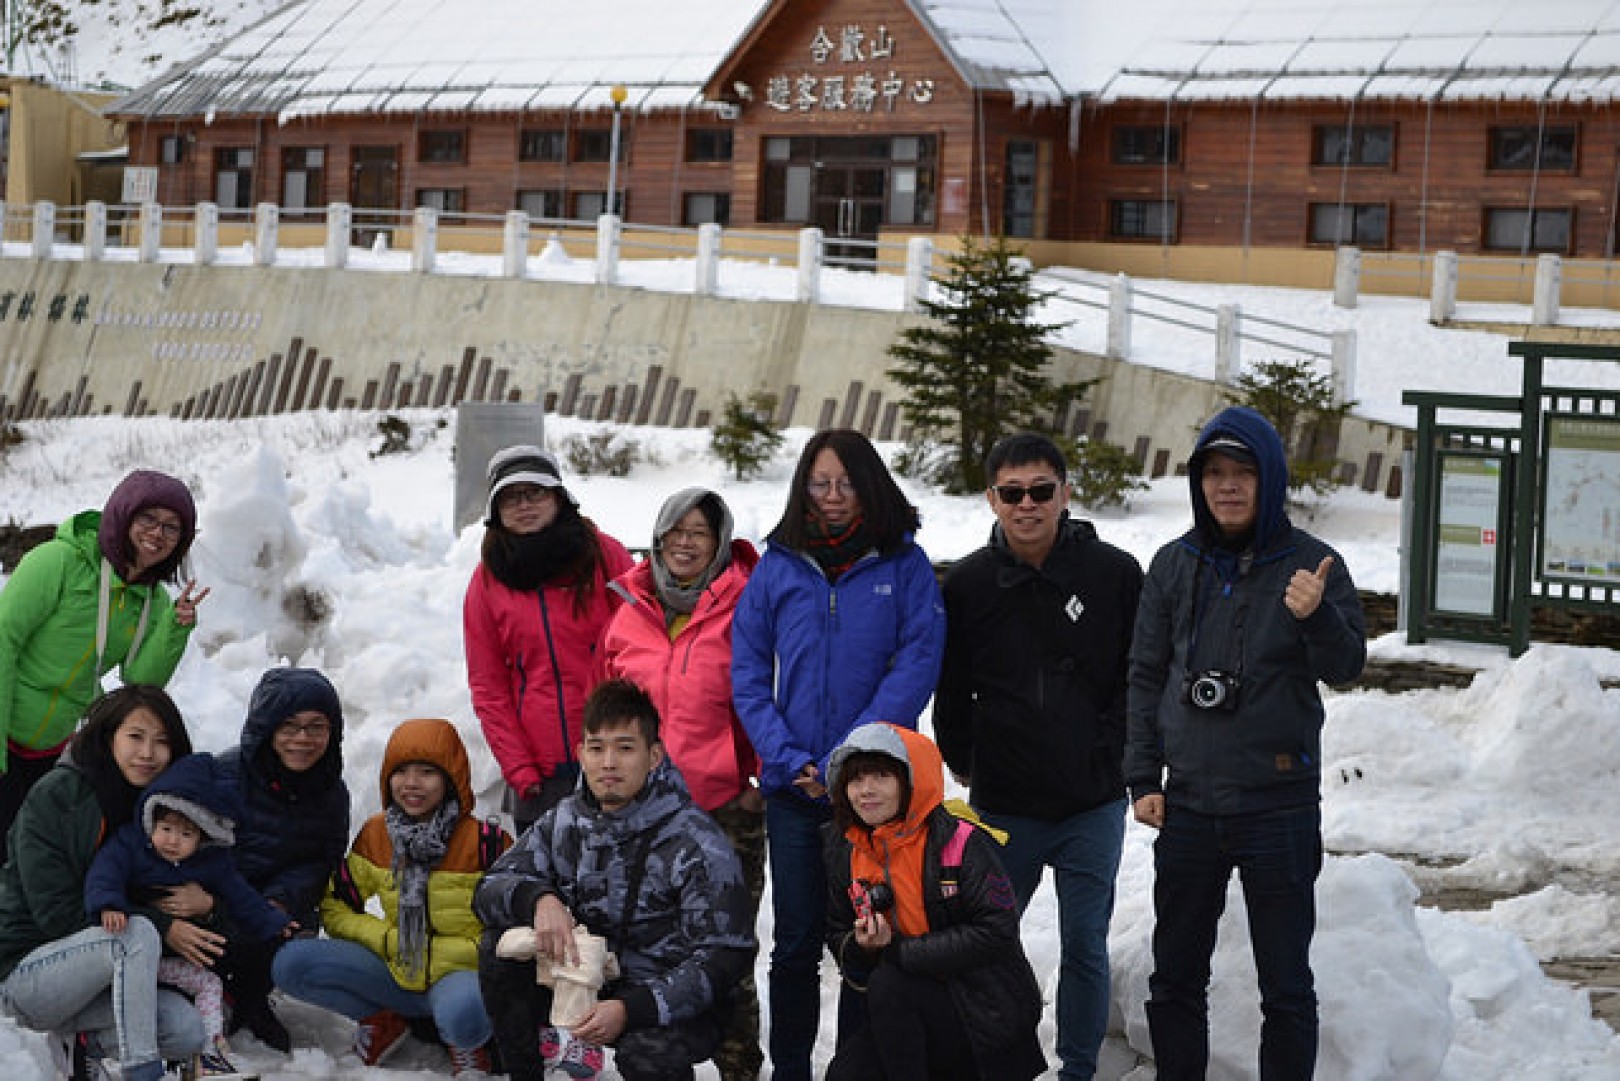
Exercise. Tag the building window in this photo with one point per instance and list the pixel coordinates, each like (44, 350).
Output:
(595, 144)
(233, 178)
(708, 144)
(1520, 230)
(543, 145)
(705, 207)
(1142, 219)
(303, 177)
(1371, 145)
(1365, 225)
(1159, 145)
(172, 149)
(444, 200)
(537, 203)
(588, 204)
(1527, 147)
(443, 147)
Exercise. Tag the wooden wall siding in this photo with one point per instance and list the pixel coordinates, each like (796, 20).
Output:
(1245, 176)
(785, 50)
(656, 175)
(1440, 160)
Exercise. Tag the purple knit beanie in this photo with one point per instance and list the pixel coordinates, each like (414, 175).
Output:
(141, 489)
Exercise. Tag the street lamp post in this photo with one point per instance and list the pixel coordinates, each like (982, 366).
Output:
(618, 94)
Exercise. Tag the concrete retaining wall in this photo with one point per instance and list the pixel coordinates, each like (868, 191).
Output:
(132, 338)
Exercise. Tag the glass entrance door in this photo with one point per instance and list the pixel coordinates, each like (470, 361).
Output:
(849, 211)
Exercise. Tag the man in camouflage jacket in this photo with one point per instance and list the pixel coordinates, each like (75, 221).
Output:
(630, 856)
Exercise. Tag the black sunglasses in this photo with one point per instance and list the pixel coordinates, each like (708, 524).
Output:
(1013, 494)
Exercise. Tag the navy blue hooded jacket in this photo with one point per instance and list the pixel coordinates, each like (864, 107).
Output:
(294, 829)
(128, 872)
(1214, 604)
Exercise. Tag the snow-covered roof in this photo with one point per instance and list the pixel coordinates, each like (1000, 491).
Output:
(316, 57)
(369, 56)
(1440, 50)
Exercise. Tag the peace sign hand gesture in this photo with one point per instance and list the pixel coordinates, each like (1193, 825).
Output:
(185, 606)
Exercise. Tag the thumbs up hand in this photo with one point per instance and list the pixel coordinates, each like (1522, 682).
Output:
(1304, 592)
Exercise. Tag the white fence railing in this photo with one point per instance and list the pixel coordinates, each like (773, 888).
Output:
(1539, 280)
(269, 235)
(156, 233)
(1230, 331)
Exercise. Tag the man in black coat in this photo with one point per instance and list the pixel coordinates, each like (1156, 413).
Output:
(1030, 712)
(1241, 618)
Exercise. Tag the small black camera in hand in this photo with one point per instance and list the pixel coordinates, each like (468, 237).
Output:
(1212, 690)
(870, 897)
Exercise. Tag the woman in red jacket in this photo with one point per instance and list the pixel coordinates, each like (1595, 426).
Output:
(532, 617)
(672, 637)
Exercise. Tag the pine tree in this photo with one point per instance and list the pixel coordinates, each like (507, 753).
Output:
(976, 370)
(746, 437)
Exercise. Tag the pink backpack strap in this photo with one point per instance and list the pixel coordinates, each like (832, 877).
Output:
(951, 854)
(950, 859)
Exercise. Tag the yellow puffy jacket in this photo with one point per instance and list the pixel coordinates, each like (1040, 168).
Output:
(453, 930)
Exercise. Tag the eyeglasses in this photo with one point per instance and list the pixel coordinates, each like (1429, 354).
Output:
(309, 730)
(821, 487)
(522, 497)
(688, 536)
(1013, 494)
(151, 523)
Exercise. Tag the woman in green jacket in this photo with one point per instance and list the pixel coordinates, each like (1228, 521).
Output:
(83, 603)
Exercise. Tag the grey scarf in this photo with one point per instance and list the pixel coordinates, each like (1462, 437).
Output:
(419, 845)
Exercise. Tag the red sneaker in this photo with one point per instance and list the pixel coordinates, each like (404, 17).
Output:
(379, 1036)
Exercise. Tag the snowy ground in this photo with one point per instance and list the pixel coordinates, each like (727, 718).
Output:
(297, 518)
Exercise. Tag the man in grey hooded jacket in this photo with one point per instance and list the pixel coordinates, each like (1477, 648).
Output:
(1240, 619)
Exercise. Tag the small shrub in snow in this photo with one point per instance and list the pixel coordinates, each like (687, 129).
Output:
(607, 453)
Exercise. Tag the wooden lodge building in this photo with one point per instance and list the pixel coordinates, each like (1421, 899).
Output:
(1479, 126)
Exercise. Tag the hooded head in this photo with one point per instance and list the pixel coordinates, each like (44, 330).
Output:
(142, 489)
(715, 514)
(922, 770)
(436, 742)
(192, 787)
(283, 693)
(1242, 434)
(523, 464)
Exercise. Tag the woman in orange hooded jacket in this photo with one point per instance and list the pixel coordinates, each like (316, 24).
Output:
(922, 917)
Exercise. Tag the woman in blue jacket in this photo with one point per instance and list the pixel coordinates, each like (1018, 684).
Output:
(840, 625)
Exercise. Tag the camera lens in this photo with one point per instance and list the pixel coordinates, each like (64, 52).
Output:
(1208, 692)
(882, 896)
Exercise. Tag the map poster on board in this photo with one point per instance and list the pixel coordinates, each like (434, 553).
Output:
(1581, 515)
(1466, 563)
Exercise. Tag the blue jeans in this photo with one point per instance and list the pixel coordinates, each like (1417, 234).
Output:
(105, 985)
(1277, 855)
(799, 927)
(1083, 851)
(347, 978)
